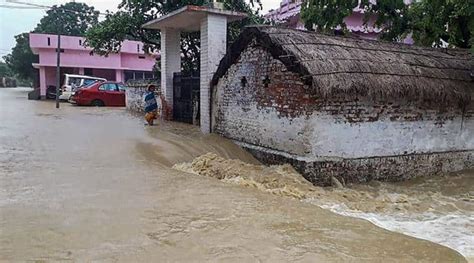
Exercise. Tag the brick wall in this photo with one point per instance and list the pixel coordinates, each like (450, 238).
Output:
(243, 111)
(260, 103)
(362, 170)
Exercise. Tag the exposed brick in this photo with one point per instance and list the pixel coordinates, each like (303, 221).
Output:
(277, 112)
(387, 168)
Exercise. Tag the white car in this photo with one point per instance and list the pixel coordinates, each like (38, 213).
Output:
(73, 82)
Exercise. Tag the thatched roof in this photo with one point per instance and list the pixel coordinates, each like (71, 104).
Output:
(334, 65)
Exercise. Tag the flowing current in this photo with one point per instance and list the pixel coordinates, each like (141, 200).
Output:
(94, 184)
(440, 209)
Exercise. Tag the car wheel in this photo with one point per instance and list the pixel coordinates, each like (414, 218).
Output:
(97, 103)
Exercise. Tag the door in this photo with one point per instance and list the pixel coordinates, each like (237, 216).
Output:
(185, 97)
(121, 95)
(111, 95)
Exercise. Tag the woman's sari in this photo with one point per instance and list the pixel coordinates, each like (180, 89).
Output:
(151, 107)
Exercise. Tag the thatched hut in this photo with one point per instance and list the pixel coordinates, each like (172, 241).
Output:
(346, 107)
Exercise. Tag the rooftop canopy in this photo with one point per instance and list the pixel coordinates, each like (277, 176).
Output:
(333, 65)
(185, 18)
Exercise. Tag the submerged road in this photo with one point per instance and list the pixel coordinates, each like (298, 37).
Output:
(95, 184)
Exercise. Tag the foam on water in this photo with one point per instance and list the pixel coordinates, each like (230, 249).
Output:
(439, 209)
(454, 230)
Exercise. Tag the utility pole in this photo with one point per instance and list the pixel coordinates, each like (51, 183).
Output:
(58, 70)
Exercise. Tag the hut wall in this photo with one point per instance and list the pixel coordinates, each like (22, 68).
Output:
(238, 115)
(270, 111)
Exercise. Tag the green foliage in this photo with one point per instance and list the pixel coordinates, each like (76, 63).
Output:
(71, 19)
(326, 15)
(391, 16)
(429, 21)
(449, 20)
(107, 36)
(21, 58)
(5, 71)
(127, 23)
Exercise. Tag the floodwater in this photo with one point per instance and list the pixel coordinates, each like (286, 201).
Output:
(95, 184)
(440, 209)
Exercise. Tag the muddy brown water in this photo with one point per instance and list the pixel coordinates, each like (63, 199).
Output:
(95, 184)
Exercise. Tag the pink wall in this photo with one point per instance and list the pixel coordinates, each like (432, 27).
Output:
(50, 76)
(289, 13)
(138, 62)
(77, 43)
(77, 56)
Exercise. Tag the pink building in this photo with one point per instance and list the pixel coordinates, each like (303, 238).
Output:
(130, 63)
(288, 14)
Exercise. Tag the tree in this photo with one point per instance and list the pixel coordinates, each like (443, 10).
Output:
(451, 21)
(392, 17)
(127, 23)
(5, 71)
(429, 21)
(21, 58)
(324, 15)
(72, 19)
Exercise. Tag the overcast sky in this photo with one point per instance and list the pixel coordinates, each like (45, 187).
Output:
(16, 21)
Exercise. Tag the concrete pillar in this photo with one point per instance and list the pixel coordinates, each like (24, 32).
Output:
(119, 75)
(170, 61)
(213, 49)
(81, 71)
(42, 82)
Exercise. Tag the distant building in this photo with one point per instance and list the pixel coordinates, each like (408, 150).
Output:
(346, 107)
(130, 63)
(288, 15)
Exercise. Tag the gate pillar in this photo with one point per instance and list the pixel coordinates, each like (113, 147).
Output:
(212, 22)
(170, 61)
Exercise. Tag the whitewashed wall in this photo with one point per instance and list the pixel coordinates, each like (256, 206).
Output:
(273, 117)
(385, 138)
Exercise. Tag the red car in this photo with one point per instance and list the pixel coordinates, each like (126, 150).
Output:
(100, 94)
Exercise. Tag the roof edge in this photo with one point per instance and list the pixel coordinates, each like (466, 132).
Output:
(458, 91)
(276, 50)
(192, 8)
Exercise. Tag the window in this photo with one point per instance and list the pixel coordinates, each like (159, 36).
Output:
(128, 75)
(80, 42)
(49, 41)
(121, 87)
(108, 87)
(149, 75)
(138, 48)
(138, 75)
(141, 57)
(88, 82)
(74, 81)
(88, 72)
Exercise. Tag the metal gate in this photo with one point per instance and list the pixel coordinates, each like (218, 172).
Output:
(185, 98)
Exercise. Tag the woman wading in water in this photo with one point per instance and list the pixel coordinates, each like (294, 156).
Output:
(152, 105)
